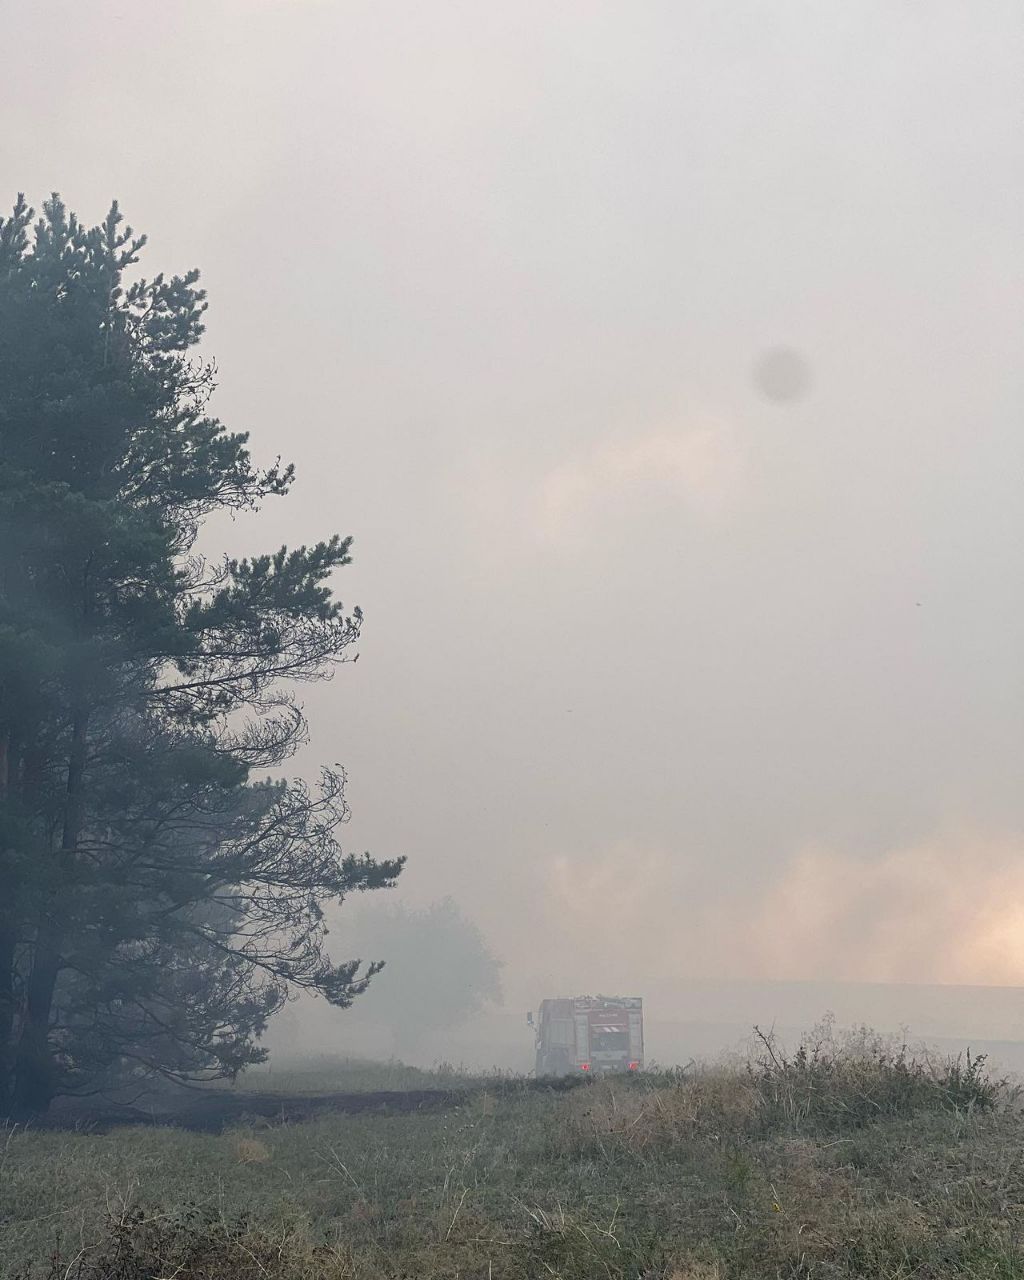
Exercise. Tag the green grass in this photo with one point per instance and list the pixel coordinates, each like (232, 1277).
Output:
(851, 1161)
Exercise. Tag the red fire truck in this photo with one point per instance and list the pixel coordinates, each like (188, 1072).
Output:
(589, 1033)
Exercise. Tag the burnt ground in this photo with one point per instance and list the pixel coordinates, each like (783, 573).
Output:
(216, 1110)
(213, 1110)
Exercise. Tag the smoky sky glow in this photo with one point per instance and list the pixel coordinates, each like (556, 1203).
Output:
(664, 361)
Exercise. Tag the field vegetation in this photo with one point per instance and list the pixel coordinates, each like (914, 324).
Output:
(849, 1157)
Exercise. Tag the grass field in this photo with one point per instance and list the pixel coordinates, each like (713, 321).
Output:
(842, 1160)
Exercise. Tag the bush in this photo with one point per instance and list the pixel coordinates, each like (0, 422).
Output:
(829, 1085)
(834, 1083)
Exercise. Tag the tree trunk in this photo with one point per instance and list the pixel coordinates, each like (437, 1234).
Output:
(35, 1076)
(7, 1009)
(7, 941)
(34, 1069)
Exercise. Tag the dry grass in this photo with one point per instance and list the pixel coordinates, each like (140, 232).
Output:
(641, 1120)
(844, 1160)
(249, 1150)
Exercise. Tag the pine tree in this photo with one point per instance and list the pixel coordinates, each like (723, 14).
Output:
(140, 684)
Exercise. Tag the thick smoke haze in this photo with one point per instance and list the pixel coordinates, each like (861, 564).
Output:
(664, 361)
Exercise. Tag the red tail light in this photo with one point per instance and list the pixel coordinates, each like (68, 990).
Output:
(634, 1066)
(584, 1066)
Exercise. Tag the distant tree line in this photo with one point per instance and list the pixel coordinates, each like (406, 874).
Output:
(161, 891)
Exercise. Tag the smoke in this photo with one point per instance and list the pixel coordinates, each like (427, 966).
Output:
(687, 653)
(947, 911)
(700, 468)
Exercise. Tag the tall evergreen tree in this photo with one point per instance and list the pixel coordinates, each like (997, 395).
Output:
(140, 684)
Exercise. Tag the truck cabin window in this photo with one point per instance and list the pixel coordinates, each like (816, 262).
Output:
(609, 1041)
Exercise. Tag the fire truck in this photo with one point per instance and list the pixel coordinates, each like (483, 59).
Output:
(598, 1034)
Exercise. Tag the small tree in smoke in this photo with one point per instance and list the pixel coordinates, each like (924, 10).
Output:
(439, 971)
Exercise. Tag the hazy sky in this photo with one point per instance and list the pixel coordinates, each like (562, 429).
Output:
(660, 676)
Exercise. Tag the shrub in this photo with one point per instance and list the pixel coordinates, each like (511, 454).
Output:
(834, 1083)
